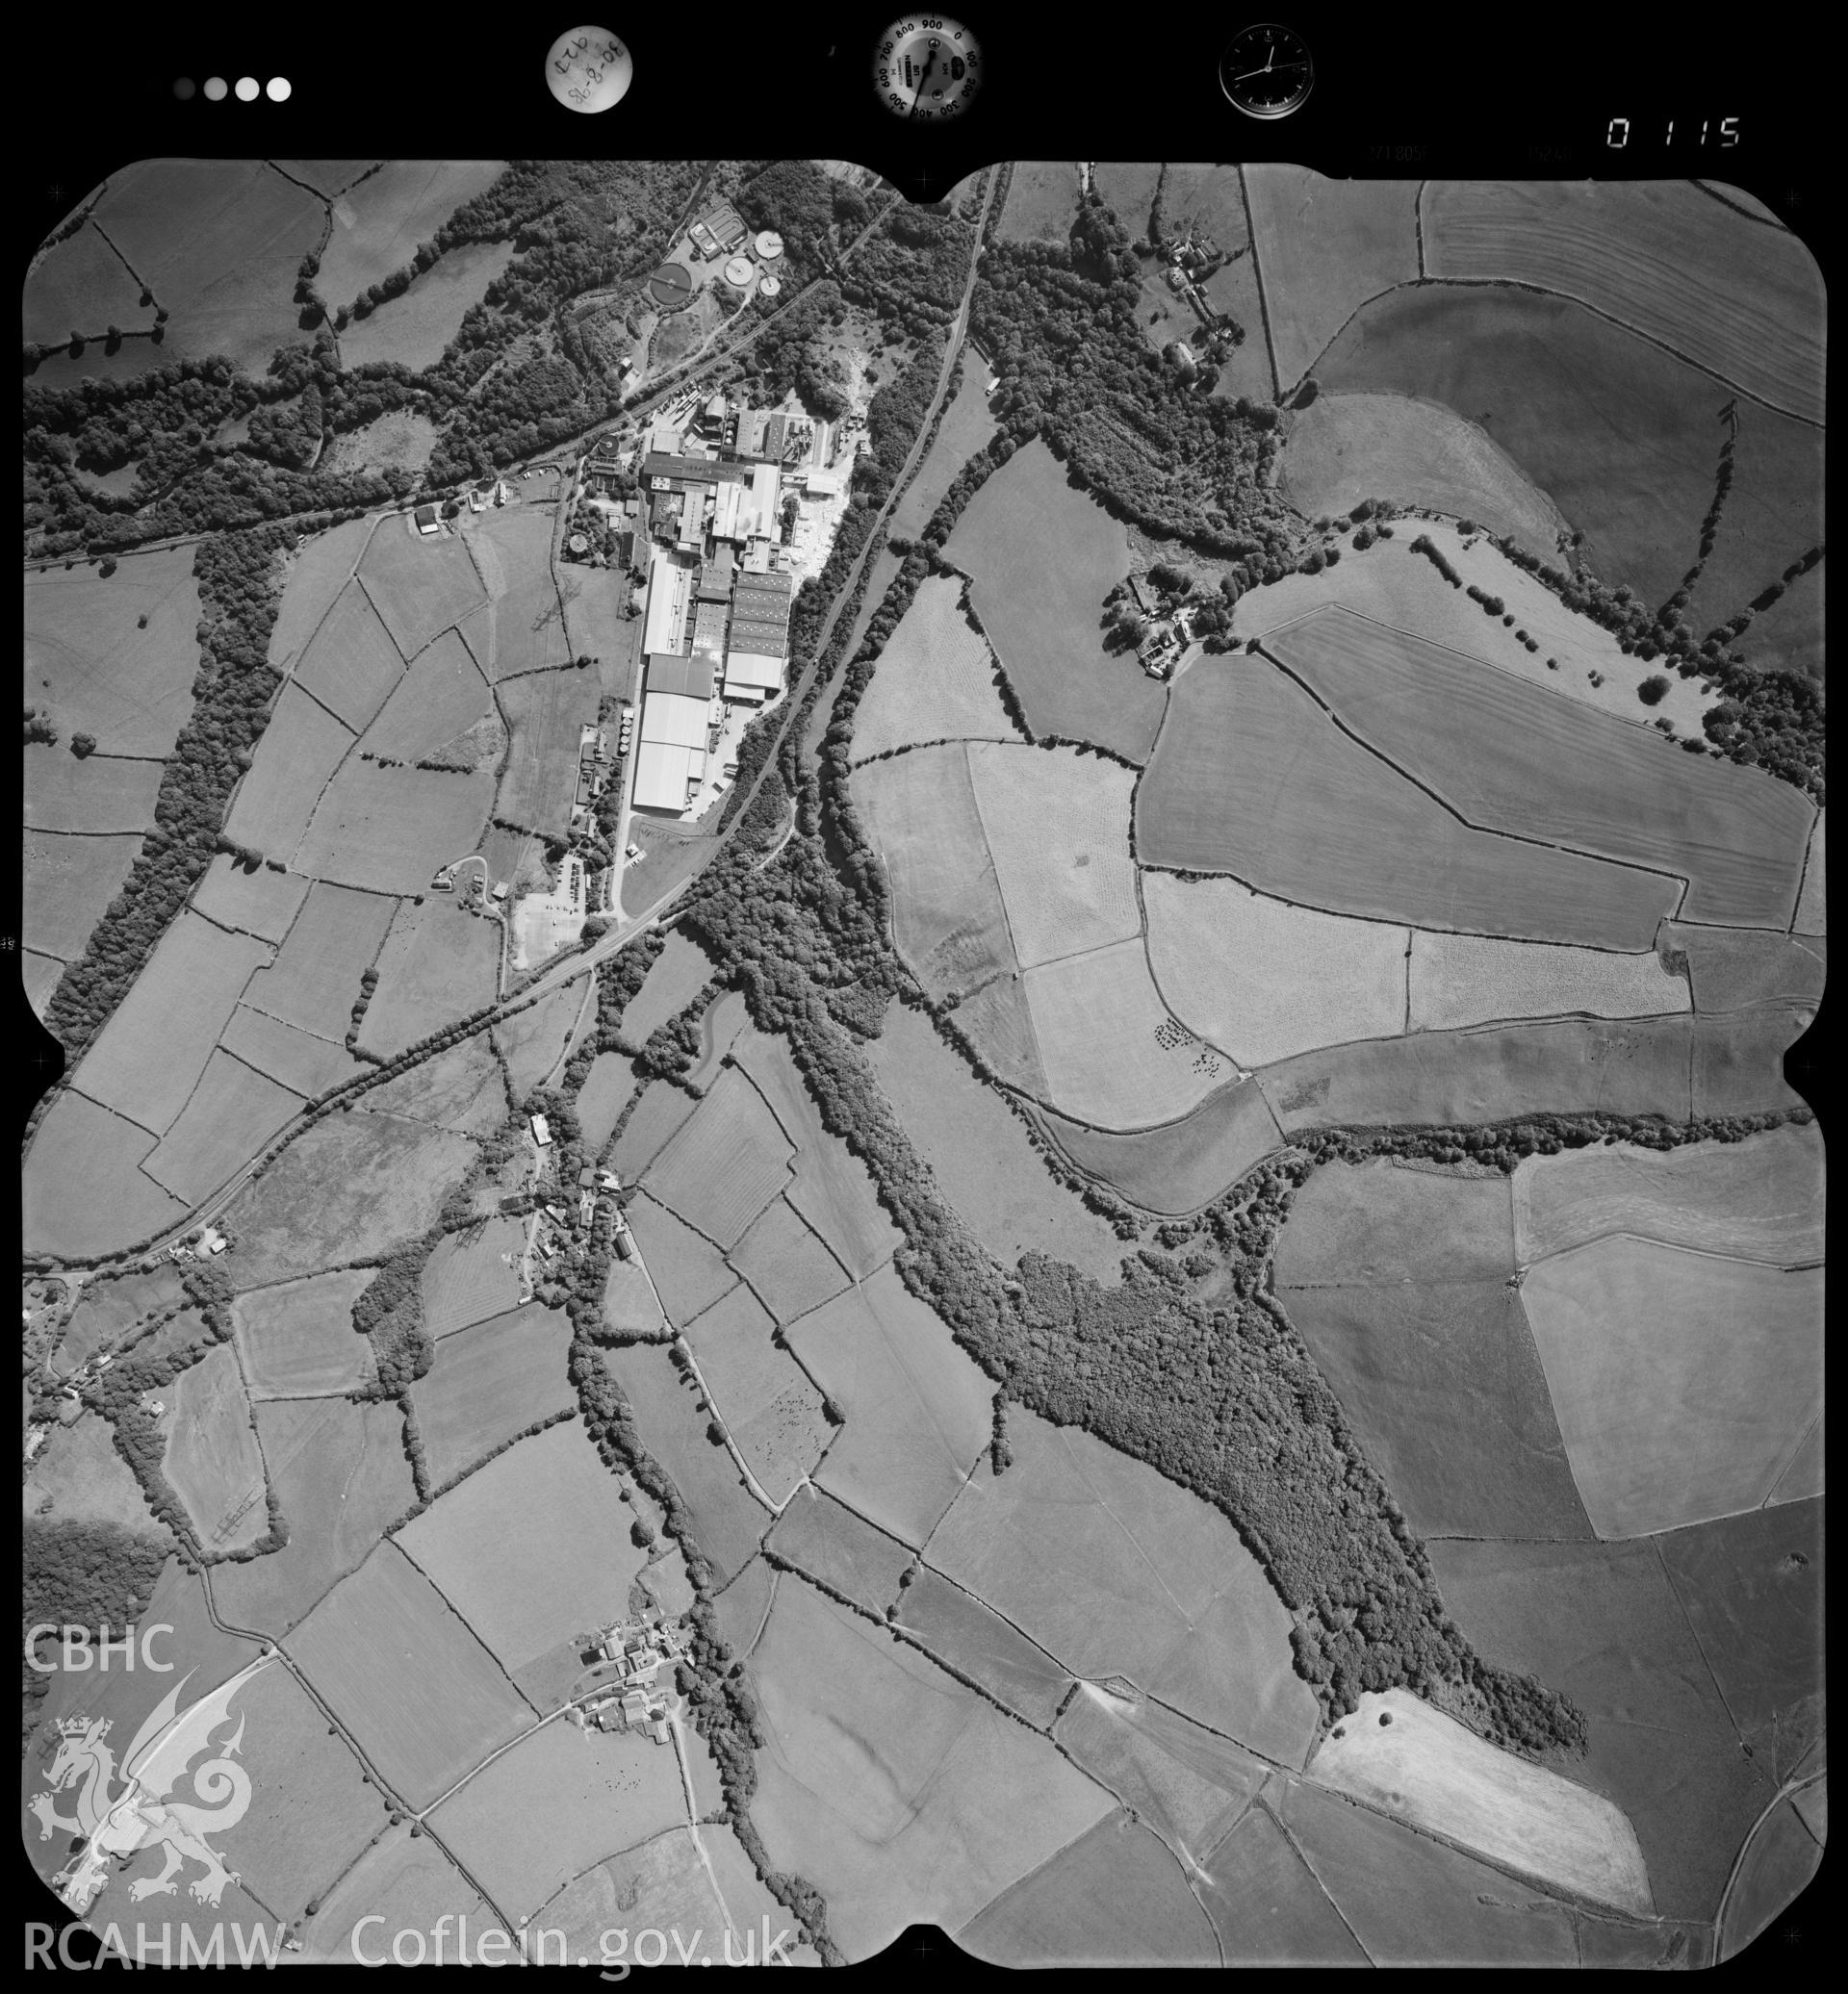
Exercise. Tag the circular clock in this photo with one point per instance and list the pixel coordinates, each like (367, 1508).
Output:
(589, 70)
(927, 68)
(1265, 72)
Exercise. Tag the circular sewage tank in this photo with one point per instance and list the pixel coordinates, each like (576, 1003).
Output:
(737, 272)
(769, 287)
(670, 285)
(768, 245)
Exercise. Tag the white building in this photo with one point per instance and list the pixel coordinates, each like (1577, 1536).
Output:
(541, 1130)
(676, 718)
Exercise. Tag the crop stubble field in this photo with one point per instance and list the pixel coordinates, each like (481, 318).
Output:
(934, 683)
(297, 1341)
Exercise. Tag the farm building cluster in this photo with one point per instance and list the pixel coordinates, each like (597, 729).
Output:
(636, 1653)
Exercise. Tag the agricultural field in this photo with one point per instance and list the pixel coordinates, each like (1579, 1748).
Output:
(350, 666)
(68, 882)
(1789, 635)
(1184, 1164)
(460, 1088)
(95, 795)
(1266, 980)
(688, 1271)
(1254, 779)
(513, 552)
(379, 222)
(1113, 1056)
(1127, 189)
(831, 1544)
(79, 1477)
(997, 1025)
(1743, 301)
(414, 328)
(659, 1111)
(218, 242)
(978, 1644)
(546, 713)
(409, 1882)
(351, 1187)
(978, 1150)
(1324, 247)
(1058, 824)
(81, 285)
(420, 587)
(1071, 1520)
(212, 1457)
(1759, 1199)
(402, 440)
(1519, 759)
(488, 1383)
(1042, 201)
(533, 1548)
(1044, 555)
(680, 972)
(1553, 382)
(767, 1406)
(894, 1790)
(950, 924)
(725, 1164)
(534, 1040)
(313, 982)
(39, 976)
(84, 1191)
(438, 964)
(589, 1788)
(607, 1089)
(341, 1472)
(1474, 978)
(91, 666)
(917, 1411)
(473, 1275)
(786, 1265)
(297, 1341)
(441, 694)
(965, 428)
(719, 1031)
(147, 1059)
(255, 899)
(664, 1885)
(229, 1117)
(314, 579)
(295, 761)
(1684, 1381)
(935, 680)
(728, 1522)
(422, 1726)
(388, 829)
(1346, 449)
(1739, 969)
(630, 1306)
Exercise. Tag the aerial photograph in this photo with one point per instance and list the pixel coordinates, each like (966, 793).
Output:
(1098, 1239)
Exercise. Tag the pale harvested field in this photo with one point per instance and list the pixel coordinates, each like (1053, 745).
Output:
(350, 665)
(1812, 902)
(488, 1383)
(607, 1089)
(295, 761)
(315, 578)
(129, 687)
(230, 1115)
(998, 1026)
(1101, 1026)
(411, 1885)
(1398, 587)
(262, 903)
(1399, 1755)
(1192, 1618)
(1519, 758)
(212, 1457)
(1344, 449)
(100, 793)
(414, 328)
(419, 1691)
(725, 1018)
(1684, 1381)
(533, 1548)
(1323, 248)
(1058, 824)
(467, 1278)
(949, 918)
(688, 1272)
(660, 1886)
(918, 1412)
(769, 1408)
(438, 964)
(379, 222)
(897, 1792)
(68, 885)
(1251, 777)
(680, 972)
(1184, 1164)
(965, 428)
(1473, 979)
(1388, 1224)
(39, 976)
(419, 586)
(1264, 979)
(658, 1113)
(785, 1263)
(79, 1477)
(314, 980)
(977, 1150)
(83, 1192)
(441, 694)
(725, 1164)
(1742, 300)
(144, 1062)
(298, 1341)
(934, 681)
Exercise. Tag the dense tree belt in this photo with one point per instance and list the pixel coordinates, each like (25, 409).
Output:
(92, 1575)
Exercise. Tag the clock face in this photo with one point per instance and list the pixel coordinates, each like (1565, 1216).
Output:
(589, 70)
(925, 68)
(1265, 72)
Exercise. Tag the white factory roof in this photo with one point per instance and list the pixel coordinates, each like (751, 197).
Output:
(663, 775)
(672, 720)
(727, 502)
(669, 583)
(748, 673)
(824, 484)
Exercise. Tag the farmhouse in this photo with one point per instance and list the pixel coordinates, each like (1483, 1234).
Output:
(426, 520)
(541, 1130)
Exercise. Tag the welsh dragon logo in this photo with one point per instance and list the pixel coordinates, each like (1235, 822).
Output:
(122, 1809)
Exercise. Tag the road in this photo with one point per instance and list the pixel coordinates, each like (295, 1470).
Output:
(621, 933)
